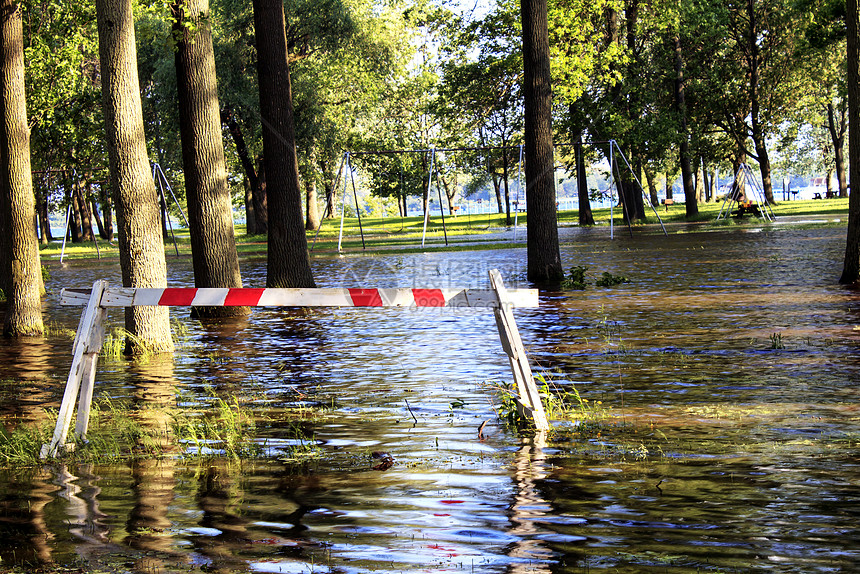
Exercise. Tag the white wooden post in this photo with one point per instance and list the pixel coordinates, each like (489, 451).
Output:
(528, 397)
(88, 343)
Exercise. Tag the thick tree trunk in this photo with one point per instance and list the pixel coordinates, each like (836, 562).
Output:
(692, 208)
(837, 136)
(22, 269)
(288, 261)
(586, 217)
(544, 258)
(140, 245)
(210, 207)
(851, 265)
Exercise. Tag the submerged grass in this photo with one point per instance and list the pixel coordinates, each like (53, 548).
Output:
(121, 431)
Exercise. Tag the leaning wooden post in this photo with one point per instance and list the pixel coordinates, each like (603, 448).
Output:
(528, 397)
(88, 343)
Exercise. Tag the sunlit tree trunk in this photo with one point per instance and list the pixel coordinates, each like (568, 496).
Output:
(22, 269)
(851, 265)
(141, 248)
(544, 258)
(210, 207)
(288, 261)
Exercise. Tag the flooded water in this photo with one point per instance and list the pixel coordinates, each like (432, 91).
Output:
(728, 366)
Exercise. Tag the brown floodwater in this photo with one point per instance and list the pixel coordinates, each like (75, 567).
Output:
(728, 366)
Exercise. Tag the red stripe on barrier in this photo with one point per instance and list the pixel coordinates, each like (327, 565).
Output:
(243, 297)
(365, 297)
(428, 297)
(177, 296)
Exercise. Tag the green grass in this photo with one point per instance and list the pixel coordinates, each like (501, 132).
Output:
(465, 232)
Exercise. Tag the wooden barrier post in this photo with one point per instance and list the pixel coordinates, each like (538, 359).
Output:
(91, 330)
(528, 400)
(88, 343)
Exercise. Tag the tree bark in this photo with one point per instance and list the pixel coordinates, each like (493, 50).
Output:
(141, 247)
(544, 258)
(256, 219)
(837, 135)
(210, 207)
(586, 217)
(250, 216)
(312, 218)
(83, 208)
(288, 261)
(22, 268)
(107, 210)
(851, 265)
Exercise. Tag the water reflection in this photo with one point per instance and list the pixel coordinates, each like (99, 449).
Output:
(731, 450)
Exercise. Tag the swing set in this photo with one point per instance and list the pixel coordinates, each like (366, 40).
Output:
(346, 173)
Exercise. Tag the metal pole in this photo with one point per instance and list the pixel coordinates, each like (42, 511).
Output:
(357, 210)
(442, 209)
(326, 212)
(519, 187)
(429, 182)
(611, 200)
(343, 203)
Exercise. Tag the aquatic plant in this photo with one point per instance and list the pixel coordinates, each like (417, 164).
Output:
(559, 403)
(610, 280)
(776, 341)
(228, 430)
(575, 278)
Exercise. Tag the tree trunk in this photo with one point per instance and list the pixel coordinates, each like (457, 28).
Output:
(45, 235)
(544, 258)
(837, 135)
(210, 207)
(141, 248)
(669, 186)
(261, 202)
(74, 230)
(312, 220)
(757, 134)
(497, 187)
(586, 217)
(288, 261)
(22, 269)
(851, 265)
(652, 187)
(107, 211)
(250, 216)
(692, 209)
(83, 208)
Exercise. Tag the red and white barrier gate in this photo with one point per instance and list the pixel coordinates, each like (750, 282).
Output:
(91, 329)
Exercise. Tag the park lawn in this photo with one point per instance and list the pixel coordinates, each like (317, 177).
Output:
(464, 231)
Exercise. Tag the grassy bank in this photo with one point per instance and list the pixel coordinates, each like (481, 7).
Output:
(464, 232)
